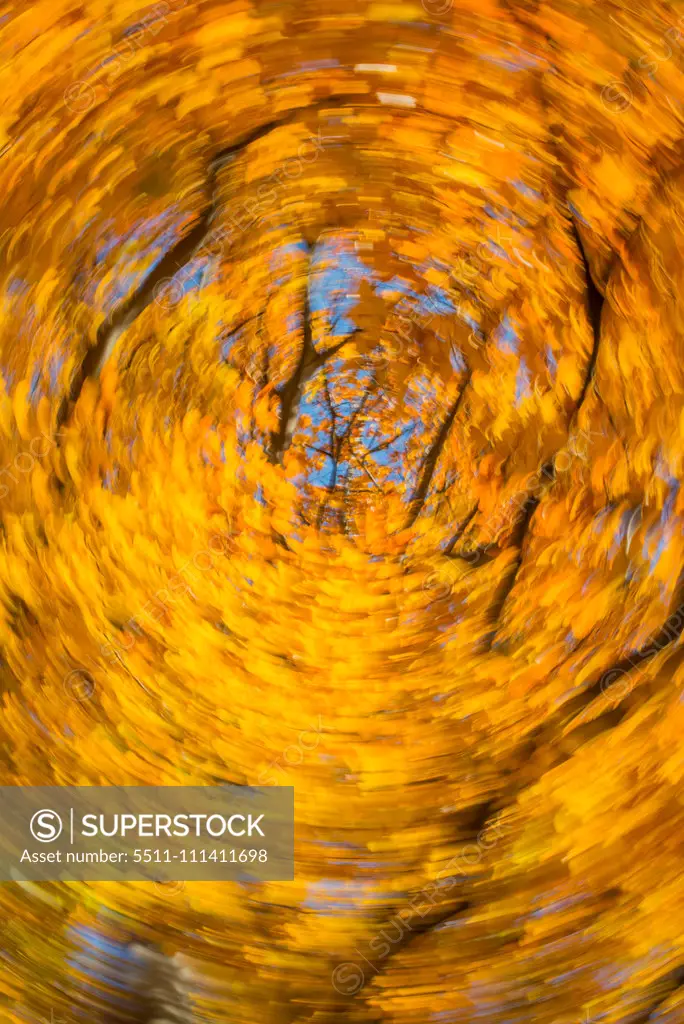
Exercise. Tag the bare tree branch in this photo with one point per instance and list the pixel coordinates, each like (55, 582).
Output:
(362, 462)
(460, 530)
(594, 312)
(292, 391)
(431, 459)
(387, 444)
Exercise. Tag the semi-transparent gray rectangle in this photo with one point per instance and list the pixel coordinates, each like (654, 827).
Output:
(146, 833)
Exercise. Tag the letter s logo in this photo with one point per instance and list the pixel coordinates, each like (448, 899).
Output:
(46, 826)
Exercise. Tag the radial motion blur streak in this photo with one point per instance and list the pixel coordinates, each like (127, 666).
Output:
(341, 448)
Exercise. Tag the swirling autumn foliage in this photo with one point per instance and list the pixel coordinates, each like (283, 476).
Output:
(341, 442)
